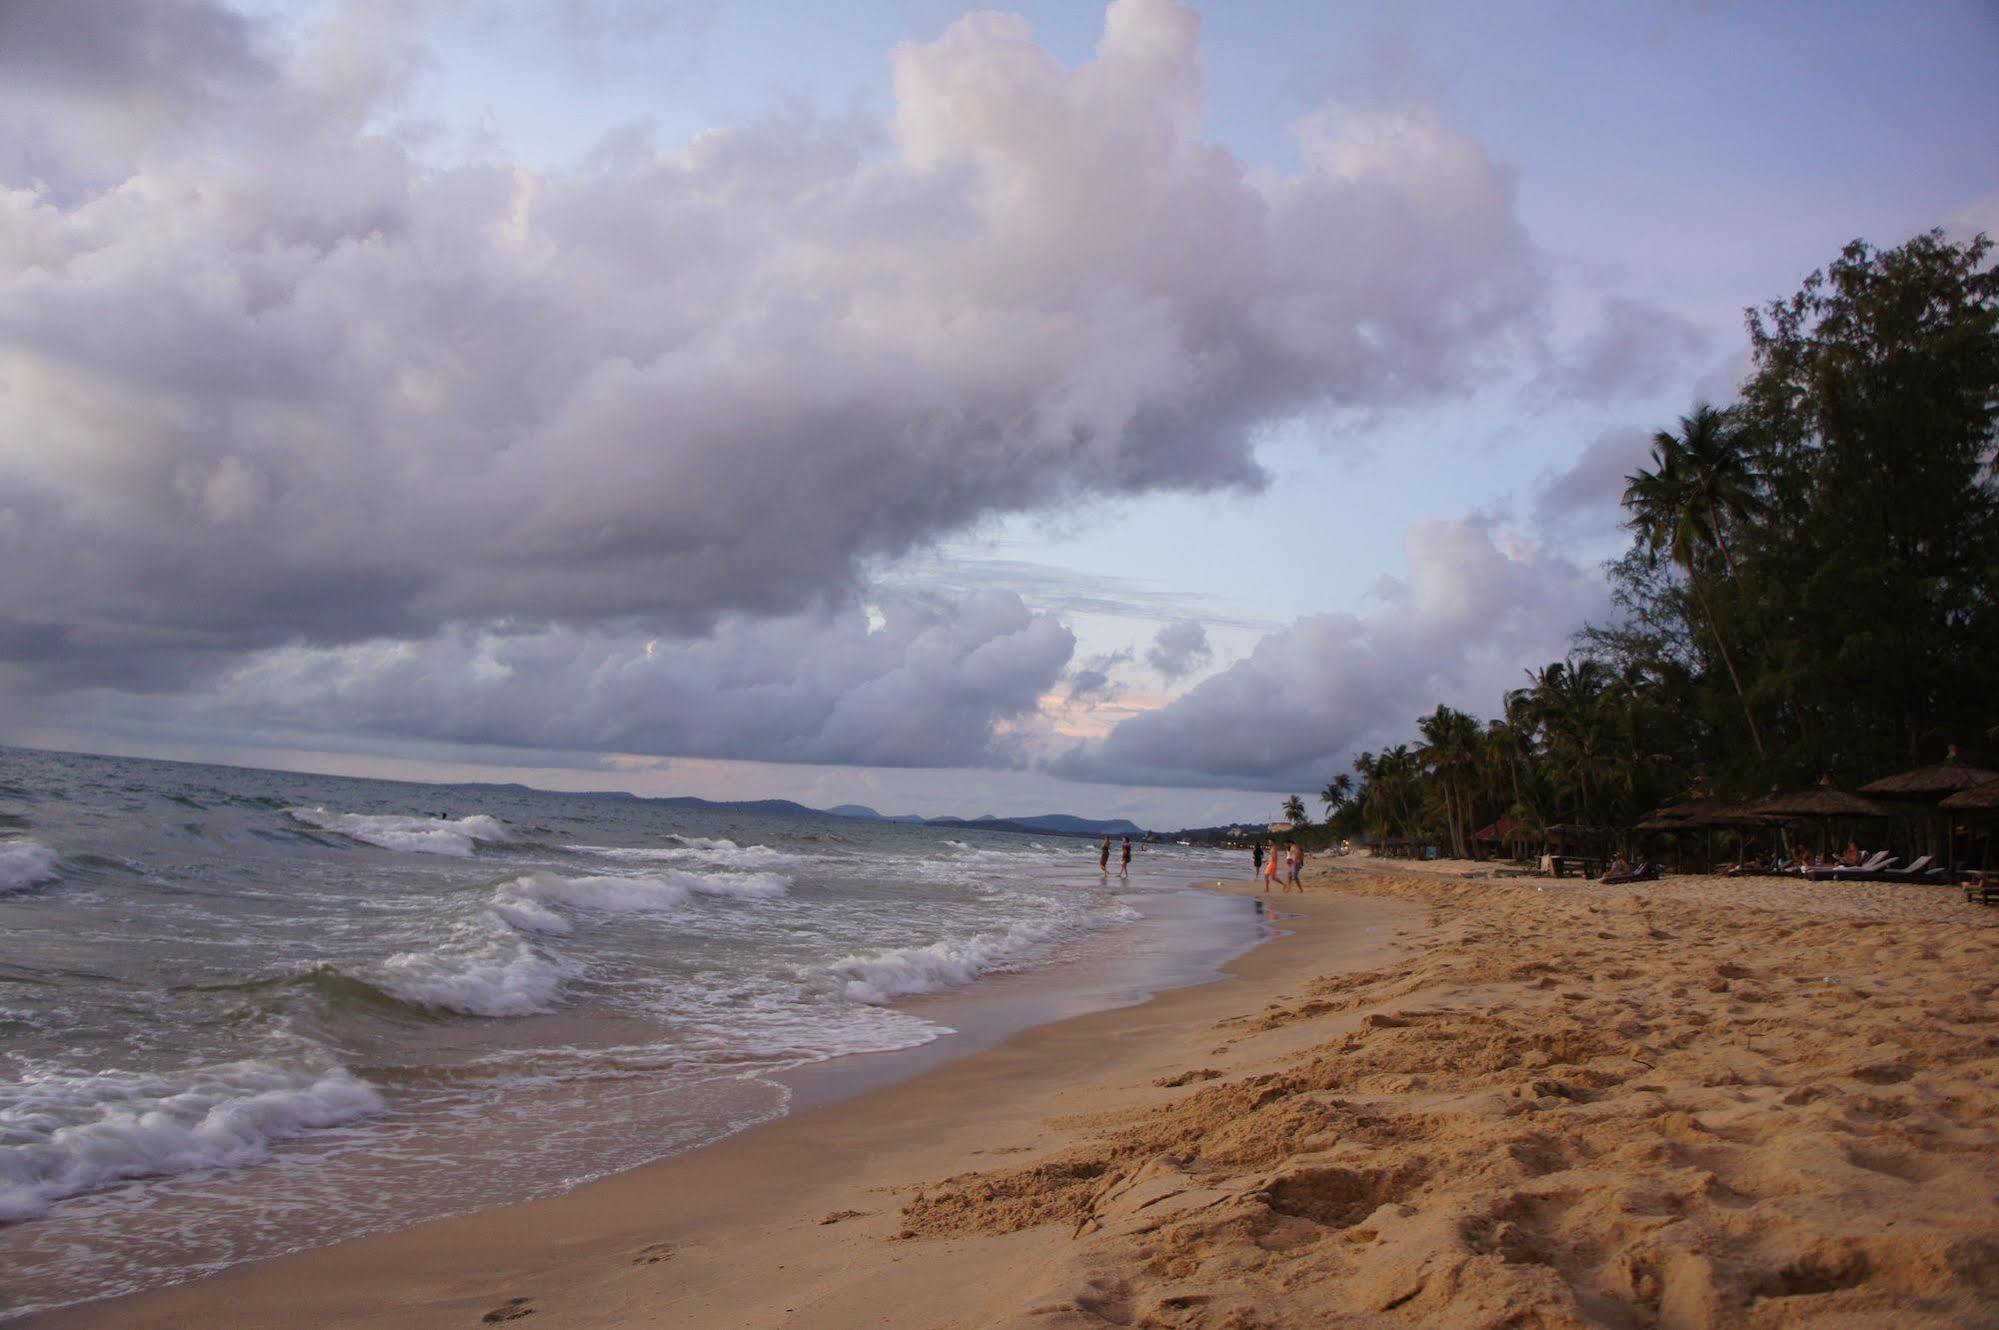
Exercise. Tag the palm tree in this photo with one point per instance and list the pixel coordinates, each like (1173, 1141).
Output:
(1700, 482)
(1450, 750)
(1571, 703)
(1294, 811)
(1338, 790)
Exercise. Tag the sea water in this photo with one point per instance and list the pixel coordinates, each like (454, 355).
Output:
(244, 1012)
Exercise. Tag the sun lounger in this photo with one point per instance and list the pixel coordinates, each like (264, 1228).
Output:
(1643, 873)
(1923, 869)
(1882, 859)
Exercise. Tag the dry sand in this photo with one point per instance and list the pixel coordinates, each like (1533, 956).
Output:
(1442, 1101)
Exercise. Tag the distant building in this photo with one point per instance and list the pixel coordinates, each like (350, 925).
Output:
(1280, 826)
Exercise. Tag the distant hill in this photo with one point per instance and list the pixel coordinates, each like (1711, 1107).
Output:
(1059, 824)
(1043, 824)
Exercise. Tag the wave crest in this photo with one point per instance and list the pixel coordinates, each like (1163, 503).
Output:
(24, 863)
(63, 1134)
(397, 831)
(494, 973)
(878, 976)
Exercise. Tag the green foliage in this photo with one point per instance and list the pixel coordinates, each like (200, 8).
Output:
(1812, 586)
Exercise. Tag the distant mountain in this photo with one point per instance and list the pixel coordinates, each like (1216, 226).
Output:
(1044, 824)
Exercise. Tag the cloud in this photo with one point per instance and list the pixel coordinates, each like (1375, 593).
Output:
(1179, 649)
(274, 378)
(1590, 492)
(1090, 683)
(1480, 606)
(933, 685)
(1636, 348)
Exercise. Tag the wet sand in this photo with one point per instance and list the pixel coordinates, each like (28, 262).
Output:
(1438, 1100)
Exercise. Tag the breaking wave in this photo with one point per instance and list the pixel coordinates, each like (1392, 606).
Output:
(490, 972)
(525, 900)
(24, 863)
(396, 831)
(705, 849)
(949, 963)
(65, 1134)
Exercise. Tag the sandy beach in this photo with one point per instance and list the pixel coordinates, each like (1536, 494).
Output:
(1441, 1098)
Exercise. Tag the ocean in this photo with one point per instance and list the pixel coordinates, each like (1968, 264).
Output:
(244, 1012)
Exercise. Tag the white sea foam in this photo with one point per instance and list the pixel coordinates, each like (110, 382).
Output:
(63, 1134)
(527, 914)
(948, 963)
(657, 892)
(480, 972)
(23, 863)
(702, 849)
(395, 831)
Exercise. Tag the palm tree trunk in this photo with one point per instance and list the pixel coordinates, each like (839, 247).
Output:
(1715, 627)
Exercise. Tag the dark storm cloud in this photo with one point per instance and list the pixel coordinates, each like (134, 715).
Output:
(275, 387)
(1179, 649)
(933, 684)
(1478, 607)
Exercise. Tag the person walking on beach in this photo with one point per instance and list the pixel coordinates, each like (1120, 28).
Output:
(1256, 861)
(1270, 865)
(1104, 858)
(1297, 862)
(1124, 864)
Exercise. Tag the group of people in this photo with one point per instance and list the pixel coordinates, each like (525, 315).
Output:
(1268, 857)
(1104, 858)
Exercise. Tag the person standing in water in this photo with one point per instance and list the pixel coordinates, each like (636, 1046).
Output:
(1270, 865)
(1104, 858)
(1124, 864)
(1256, 861)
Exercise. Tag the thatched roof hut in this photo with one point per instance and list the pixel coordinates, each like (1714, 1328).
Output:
(1698, 813)
(1930, 784)
(1979, 797)
(1821, 801)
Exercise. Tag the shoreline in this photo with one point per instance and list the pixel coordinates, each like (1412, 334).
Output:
(1436, 1099)
(987, 1025)
(1161, 933)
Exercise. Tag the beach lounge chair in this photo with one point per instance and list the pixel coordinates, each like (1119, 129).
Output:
(1645, 872)
(1882, 859)
(1922, 869)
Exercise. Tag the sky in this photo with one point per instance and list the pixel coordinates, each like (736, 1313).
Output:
(1130, 410)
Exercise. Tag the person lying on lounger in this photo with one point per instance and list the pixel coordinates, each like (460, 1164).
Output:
(1622, 871)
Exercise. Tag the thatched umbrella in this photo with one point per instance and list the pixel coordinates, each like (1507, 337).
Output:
(1821, 801)
(1931, 784)
(1701, 814)
(1822, 804)
(1935, 784)
(1982, 797)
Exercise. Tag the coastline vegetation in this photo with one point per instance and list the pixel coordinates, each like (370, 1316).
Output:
(1811, 590)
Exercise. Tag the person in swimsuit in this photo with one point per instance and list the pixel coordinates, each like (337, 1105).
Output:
(1297, 857)
(1104, 858)
(1270, 866)
(1124, 864)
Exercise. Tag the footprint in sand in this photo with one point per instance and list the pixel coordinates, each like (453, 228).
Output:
(510, 1310)
(654, 1254)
